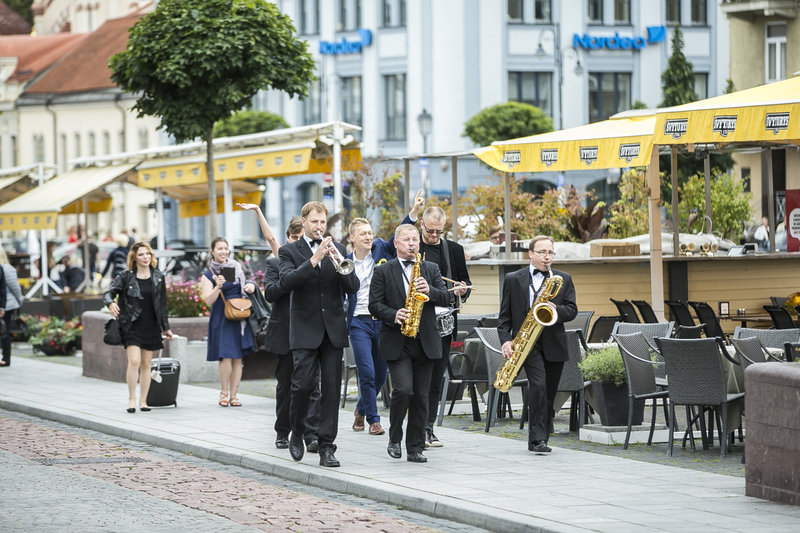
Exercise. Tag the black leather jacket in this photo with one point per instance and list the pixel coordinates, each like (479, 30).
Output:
(130, 298)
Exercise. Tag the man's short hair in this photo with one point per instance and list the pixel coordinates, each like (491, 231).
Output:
(434, 213)
(313, 206)
(351, 229)
(295, 226)
(539, 238)
(403, 228)
(494, 229)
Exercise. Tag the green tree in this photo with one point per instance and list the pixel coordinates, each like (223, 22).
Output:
(195, 62)
(22, 8)
(506, 121)
(248, 121)
(730, 204)
(677, 81)
(629, 214)
(376, 192)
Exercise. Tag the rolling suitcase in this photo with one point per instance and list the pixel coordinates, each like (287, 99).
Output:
(165, 392)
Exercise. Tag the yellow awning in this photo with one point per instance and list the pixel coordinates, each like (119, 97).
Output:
(613, 143)
(194, 198)
(39, 207)
(768, 113)
(13, 186)
(199, 208)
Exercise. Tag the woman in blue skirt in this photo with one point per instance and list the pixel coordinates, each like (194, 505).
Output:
(228, 341)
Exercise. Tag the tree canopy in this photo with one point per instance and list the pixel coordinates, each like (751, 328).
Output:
(506, 121)
(677, 81)
(248, 121)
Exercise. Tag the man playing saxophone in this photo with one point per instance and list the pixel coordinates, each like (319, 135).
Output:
(545, 361)
(408, 349)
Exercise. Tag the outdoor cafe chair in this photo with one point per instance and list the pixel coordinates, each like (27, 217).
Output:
(572, 380)
(636, 356)
(791, 351)
(680, 312)
(781, 318)
(602, 327)
(494, 360)
(581, 322)
(778, 301)
(694, 367)
(348, 369)
(749, 350)
(705, 313)
(689, 332)
(465, 324)
(770, 338)
(464, 370)
(650, 331)
(626, 309)
(646, 310)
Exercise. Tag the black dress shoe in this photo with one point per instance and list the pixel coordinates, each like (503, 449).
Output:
(539, 446)
(144, 409)
(416, 457)
(394, 450)
(296, 447)
(282, 442)
(313, 446)
(326, 458)
(131, 409)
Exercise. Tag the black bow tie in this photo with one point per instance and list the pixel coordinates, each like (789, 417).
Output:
(406, 264)
(544, 273)
(316, 242)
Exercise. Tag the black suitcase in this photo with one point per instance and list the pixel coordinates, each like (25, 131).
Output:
(166, 392)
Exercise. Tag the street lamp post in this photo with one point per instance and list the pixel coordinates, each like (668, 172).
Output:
(424, 121)
(540, 53)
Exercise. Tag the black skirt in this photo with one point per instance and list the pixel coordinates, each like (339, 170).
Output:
(145, 336)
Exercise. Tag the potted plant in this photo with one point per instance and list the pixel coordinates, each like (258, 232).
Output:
(604, 368)
(56, 337)
(183, 299)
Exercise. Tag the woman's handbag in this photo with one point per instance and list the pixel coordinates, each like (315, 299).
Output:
(236, 309)
(113, 332)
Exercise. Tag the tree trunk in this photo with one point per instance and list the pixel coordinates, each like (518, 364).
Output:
(213, 229)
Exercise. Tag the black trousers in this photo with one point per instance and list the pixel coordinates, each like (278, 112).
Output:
(283, 373)
(6, 340)
(411, 381)
(543, 378)
(437, 383)
(308, 364)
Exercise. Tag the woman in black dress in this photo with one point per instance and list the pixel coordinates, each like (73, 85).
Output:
(141, 309)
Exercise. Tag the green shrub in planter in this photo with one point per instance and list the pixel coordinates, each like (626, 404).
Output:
(604, 365)
(605, 369)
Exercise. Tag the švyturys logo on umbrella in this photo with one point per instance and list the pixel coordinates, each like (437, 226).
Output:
(511, 157)
(676, 127)
(588, 154)
(629, 151)
(549, 156)
(776, 122)
(724, 124)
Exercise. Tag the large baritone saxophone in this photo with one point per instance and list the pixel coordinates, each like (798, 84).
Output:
(414, 302)
(541, 314)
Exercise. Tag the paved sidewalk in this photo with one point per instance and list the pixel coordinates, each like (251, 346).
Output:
(481, 480)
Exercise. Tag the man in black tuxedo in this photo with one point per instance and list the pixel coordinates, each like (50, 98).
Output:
(546, 360)
(317, 328)
(277, 342)
(410, 360)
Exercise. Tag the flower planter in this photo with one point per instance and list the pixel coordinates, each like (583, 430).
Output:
(612, 404)
(57, 349)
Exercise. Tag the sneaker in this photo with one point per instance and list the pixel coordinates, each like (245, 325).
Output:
(358, 422)
(432, 440)
(376, 429)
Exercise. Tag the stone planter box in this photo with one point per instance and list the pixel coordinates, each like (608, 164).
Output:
(612, 405)
(772, 448)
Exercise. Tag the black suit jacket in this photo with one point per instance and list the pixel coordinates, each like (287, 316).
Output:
(387, 294)
(514, 306)
(277, 341)
(316, 297)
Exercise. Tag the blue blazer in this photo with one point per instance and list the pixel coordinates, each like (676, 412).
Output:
(381, 251)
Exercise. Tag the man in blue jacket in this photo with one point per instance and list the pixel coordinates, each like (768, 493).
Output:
(364, 329)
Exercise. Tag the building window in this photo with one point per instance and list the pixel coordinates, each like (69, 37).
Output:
(312, 105)
(341, 24)
(122, 144)
(394, 13)
(541, 11)
(699, 13)
(63, 153)
(106, 142)
(77, 149)
(594, 13)
(351, 100)
(358, 13)
(776, 52)
(143, 138)
(529, 11)
(673, 11)
(13, 150)
(308, 192)
(701, 85)
(38, 148)
(395, 107)
(622, 11)
(514, 10)
(534, 88)
(92, 145)
(309, 17)
(609, 93)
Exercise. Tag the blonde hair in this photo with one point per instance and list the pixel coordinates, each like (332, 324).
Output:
(3, 256)
(360, 221)
(132, 255)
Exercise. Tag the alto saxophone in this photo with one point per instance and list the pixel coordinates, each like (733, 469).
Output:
(414, 302)
(541, 314)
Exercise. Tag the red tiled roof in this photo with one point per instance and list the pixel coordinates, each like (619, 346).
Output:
(11, 23)
(35, 53)
(86, 67)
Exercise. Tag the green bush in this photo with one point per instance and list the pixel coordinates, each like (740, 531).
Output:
(57, 334)
(183, 299)
(604, 365)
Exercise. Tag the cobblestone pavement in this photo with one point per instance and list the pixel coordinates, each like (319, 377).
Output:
(68, 479)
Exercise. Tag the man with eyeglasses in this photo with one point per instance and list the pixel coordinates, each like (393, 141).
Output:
(449, 256)
(544, 363)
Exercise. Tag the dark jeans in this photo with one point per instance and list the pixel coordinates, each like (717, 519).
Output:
(308, 364)
(411, 375)
(371, 370)
(437, 383)
(283, 373)
(6, 340)
(543, 378)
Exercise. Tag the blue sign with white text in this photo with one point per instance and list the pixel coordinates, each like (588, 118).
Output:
(346, 47)
(655, 34)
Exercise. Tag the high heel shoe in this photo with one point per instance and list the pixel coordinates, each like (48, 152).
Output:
(131, 409)
(144, 409)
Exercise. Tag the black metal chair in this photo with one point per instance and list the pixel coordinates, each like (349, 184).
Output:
(696, 378)
(680, 312)
(602, 327)
(626, 309)
(778, 301)
(650, 331)
(636, 356)
(646, 310)
(581, 322)
(781, 318)
(463, 371)
(770, 338)
(706, 314)
(689, 332)
(791, 351)
(572, 381)
(494, 360)
(749, 350)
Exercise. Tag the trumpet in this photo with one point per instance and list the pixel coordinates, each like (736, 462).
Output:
(342, 265)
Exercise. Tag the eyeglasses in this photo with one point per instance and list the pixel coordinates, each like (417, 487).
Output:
(433, 231)
(545, 252)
